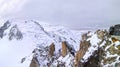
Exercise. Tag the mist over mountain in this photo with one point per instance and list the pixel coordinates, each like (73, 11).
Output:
(73, 14)
(59, 33)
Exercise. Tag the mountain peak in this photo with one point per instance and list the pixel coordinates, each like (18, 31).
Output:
(32, 43)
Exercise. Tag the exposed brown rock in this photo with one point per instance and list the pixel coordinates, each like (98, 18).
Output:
(83, 48)
(79, 56)
(52, 49)
(48, 64)
(100, 34)
(109, 60)
(34, 63)
(84, 45)
(114, 39)
(64, 49)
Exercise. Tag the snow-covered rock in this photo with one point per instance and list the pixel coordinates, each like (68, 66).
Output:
(28, 44)
(21, 40)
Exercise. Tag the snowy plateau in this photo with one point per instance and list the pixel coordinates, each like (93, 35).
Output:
(38, 44)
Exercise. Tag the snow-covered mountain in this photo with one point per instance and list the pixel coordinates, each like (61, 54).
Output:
(19, 38)
(38, 44)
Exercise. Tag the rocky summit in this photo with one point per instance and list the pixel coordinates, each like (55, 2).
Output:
(37, 44)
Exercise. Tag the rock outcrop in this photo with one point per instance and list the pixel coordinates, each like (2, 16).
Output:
(114, 39)
(15, 33)
(34, 62)
(100, 34)
(64, 48)
(93, 61)
(3, 28)
(115, 30)
(97, 50)
(84, 45)
(51, 49)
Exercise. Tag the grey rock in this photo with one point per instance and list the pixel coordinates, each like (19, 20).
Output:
(115, 30)
(3, 28)
(15, 33)
(117, 65)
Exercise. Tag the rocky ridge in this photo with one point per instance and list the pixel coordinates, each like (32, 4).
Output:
(96, 49)
(61, 47)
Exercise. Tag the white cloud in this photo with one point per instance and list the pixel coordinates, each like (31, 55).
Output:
(11, 6)
(71, 13)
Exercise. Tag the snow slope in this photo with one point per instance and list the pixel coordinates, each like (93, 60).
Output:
(35, 34)
(21, 40)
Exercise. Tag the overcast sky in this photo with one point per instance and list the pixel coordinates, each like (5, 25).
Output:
(75, 14)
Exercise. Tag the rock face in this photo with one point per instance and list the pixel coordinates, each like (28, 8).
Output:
(117, 65)
(115, 30)
(93, 61)
(64, 49)
(100, 34)
(110, 56)
(3, 28)
(51, 50)
(34, 63)
(15, 33)
(83, 48)
(100, 50)
(84, 45)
